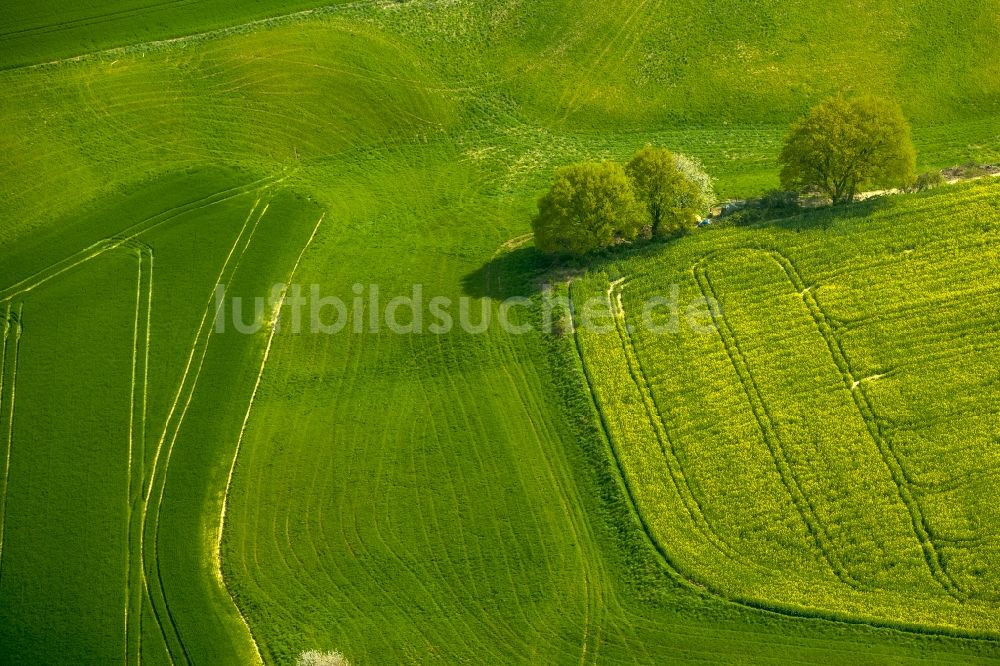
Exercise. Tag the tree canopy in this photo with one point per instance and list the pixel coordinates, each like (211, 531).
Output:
(590, 206)
(674, 201)
(842, 147)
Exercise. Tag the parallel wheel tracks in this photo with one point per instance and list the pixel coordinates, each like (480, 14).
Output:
(12, 327)
(921, 528)
(151, 569)
(766, 425)
(862, 401)
(690, 579)
(139, 489)
(138, 409)
(667, 445)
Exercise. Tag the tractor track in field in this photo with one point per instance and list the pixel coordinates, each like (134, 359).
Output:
(599, 64)
(11, 326)
(12, 323)
(128, 235)
(158, 471)
(704, 588)
(767, 425)
(859, 394)
(136, 449)
(128, 239)
(663, 555)
(668, 448)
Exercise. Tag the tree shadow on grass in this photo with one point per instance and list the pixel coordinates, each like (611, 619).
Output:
(517, 272)
(524, 272)
(814, 218)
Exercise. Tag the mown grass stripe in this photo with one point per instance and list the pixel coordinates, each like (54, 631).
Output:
(163, 614)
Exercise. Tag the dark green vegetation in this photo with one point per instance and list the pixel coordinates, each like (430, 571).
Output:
(594, 206)
(46, 30)
(112, 392)
(402, 499)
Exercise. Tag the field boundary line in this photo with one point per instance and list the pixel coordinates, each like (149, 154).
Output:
(275, 324)
(7, 324)
(668, 448)
(13, 324)
(136, 461)
(766, 424)
(203, 340)
(688, 580)
(863, 403)
(706, 589)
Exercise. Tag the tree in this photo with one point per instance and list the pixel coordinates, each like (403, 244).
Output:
(589, 207)
(317, 658)
(695, 172)
(928, 181)
(674, 201)
(843, 146)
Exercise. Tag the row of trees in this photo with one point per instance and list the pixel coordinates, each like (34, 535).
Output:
(839, 149)
(595, 205)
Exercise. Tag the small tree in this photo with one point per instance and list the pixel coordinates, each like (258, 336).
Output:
(695, 172)
(589, 207)
(317, 658)
(928, 181)
(843, 146)
(673, 200)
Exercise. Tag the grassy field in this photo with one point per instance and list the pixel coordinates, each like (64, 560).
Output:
(121, 576)
(451, 499)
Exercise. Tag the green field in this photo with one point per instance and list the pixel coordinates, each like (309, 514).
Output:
(135, 412)
(461, 498)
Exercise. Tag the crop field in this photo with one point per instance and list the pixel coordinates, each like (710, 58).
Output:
(823, 426)
(810, 481)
